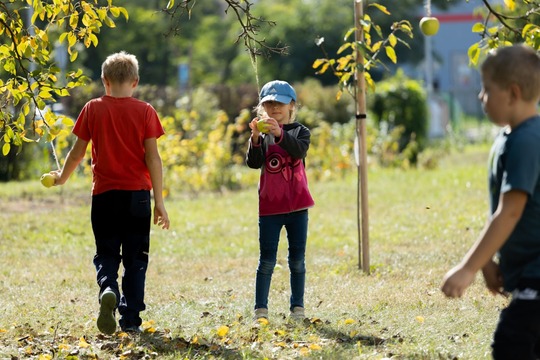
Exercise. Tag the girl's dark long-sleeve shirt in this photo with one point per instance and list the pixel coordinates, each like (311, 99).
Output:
(283, 186)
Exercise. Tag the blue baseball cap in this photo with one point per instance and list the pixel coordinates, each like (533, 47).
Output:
(277, 90)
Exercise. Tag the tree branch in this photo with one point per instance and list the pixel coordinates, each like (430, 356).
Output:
(250, 25)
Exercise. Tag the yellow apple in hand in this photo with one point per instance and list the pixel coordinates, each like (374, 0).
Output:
(263, 126)
(47, 180)
(429, 25)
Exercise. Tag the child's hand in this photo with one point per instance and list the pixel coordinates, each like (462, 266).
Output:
(254, 129)
(456, 281)
(493, 278)
(161, 218)
(57, 177)
(273, 127)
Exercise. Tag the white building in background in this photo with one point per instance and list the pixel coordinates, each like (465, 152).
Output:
(455, 83)
(451, 72)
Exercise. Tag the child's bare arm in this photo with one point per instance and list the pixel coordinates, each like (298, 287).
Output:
(155, 167)
(491, 239)
(73, 159)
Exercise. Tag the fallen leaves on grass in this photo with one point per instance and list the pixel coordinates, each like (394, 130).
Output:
(283, 339)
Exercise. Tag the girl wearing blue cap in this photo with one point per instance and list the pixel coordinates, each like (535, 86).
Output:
(278, 146)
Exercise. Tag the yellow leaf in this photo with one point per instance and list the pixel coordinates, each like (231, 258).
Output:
(343, 48)
(73, 56)
(223, 330)
(318, 63)
(315, 347)
(420, 319)
(74, 20)
(392, 40)
(474, 53)
(45, 94)
(263, 321)
(6, 148)
(510, 4)
(72, 39)
(323, 68)
(83, 343)
(114, 11)
(381, 8)
(124, 12)
(349, 321)
(391, 53)
(3, 330)
(478, 28)
(304, 351)
(109, 22)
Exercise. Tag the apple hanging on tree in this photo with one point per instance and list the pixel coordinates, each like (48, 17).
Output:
(429, 25)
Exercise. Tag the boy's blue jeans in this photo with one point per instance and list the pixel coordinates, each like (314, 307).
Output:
(518, 332)
(121, 226)
(296, 225)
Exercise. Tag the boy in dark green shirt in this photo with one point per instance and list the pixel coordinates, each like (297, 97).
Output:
(510, 95)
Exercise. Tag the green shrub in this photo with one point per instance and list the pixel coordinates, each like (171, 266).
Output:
(401, 101)
(322, 100)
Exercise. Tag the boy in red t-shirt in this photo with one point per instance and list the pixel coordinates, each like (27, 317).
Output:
(126, 166)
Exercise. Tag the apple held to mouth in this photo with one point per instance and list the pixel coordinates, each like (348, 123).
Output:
(262, 126)
(429, 25)
(47, 180)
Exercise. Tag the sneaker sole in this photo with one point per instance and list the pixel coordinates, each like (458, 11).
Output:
(106, 322)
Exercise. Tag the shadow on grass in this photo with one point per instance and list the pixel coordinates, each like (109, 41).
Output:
(341, 337)
(163, 344)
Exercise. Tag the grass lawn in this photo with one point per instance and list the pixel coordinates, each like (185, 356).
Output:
(200, 283)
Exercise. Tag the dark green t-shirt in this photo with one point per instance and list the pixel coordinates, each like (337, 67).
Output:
(515, 165)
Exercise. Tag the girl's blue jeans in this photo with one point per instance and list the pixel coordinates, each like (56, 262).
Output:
(296, 225)
(121, 226)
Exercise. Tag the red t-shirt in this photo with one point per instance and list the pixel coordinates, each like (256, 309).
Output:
(117, 128)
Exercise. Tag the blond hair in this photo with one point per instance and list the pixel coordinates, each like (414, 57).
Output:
(120, 67)
(515, 65)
